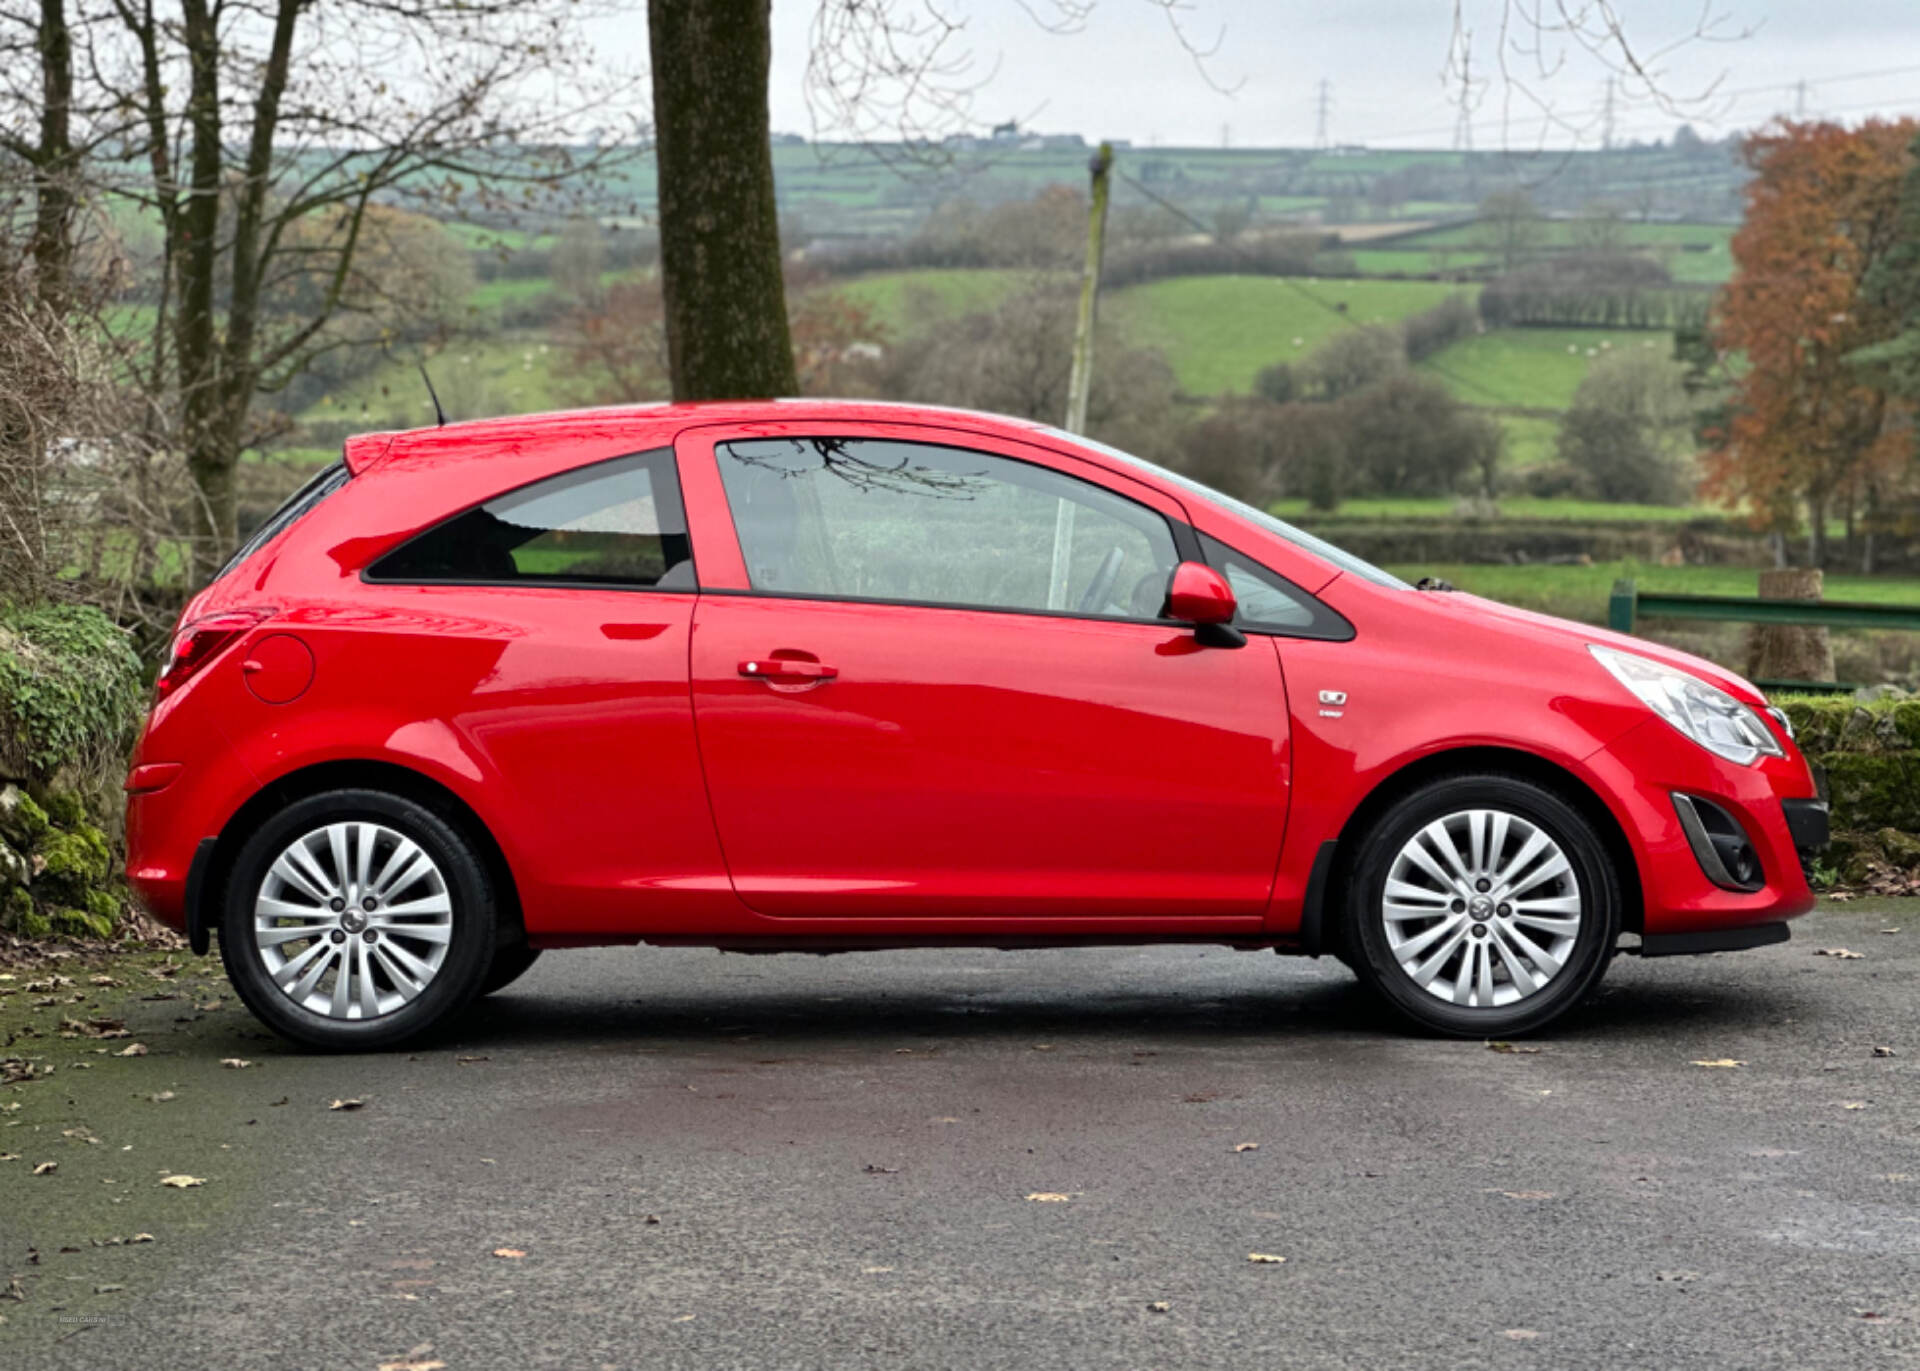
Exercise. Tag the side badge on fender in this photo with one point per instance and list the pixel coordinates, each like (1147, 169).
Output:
(1331, 702)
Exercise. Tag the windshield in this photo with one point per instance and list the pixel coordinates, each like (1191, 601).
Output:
(1300, 538)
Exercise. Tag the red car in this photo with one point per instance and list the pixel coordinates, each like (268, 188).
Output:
(821, 676)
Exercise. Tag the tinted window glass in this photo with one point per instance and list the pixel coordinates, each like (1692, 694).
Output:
(869, 519)
(1268, 601)
(613, 523)
(1319, 547)
(322, 484)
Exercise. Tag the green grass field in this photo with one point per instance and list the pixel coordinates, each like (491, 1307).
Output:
(501, 375)
(1217, 332)
(1394, 508)
(1531, 368)
(905, 300)
(1580, 592)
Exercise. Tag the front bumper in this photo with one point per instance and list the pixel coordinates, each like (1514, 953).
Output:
(1774, 802)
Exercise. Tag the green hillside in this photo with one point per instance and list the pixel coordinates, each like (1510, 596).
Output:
(1217, 332)
(1531, 368)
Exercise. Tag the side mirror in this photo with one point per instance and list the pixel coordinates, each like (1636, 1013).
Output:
(1200, 596)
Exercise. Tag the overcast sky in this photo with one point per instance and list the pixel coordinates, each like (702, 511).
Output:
(1124, 75)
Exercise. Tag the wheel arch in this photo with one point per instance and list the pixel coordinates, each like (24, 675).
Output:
(1476, 761)
(391, 777)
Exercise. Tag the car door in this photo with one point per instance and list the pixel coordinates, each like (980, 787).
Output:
(939, 686)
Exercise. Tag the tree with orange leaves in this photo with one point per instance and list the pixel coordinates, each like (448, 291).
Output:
(1808, 431)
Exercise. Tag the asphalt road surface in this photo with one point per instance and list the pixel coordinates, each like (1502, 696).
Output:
(641, 1158)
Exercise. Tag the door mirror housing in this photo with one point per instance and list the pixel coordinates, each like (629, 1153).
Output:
(1200, 596)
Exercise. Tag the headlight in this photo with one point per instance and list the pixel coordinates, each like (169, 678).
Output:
(1706, 714)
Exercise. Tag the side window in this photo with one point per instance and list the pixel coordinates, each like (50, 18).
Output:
(1269, 602)
(881, 520)
(613, 523)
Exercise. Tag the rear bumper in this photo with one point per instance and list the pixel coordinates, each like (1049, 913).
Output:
(1775, 806)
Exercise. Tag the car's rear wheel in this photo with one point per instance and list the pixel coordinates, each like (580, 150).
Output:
(1482, 906)
(510, 963)
(357, 919)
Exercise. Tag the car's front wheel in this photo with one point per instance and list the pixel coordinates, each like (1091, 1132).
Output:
(1482, 906)
(357, 919)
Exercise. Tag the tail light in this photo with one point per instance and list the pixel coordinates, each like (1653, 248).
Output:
(197, 643)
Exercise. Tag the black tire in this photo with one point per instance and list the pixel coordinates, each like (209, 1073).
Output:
(510, 963)
(1365, 934)
(469, 949)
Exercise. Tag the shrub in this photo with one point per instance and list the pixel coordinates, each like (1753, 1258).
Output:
(1430, 330)
(1629, 430)
(1408, 436)
(70, 691)
(1354, 358)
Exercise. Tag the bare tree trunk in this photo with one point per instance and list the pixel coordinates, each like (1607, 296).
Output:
(1790, 652)
(726, 309)
(55, 163)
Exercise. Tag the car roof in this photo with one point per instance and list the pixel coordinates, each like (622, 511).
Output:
(649, 424)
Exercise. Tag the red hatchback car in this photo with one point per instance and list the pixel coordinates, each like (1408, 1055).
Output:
(819, 676)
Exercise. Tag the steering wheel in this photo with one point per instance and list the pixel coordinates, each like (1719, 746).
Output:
(1102, 584)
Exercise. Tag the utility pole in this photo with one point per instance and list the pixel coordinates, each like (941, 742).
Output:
(1080, 380)
(1800, 99)
(1463, 124)
(1322, 108)
(1606, 119)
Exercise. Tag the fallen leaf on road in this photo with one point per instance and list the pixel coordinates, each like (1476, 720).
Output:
(1839, 953)
(1511, 1047)
(141, 1237)
(46, 1168)
(469, 1061)
(9, 1156)
(420, 1358)
(873, 1170)
(93, 1028)
(875, 1270)
(132, 1050)
(96, 980)
(1528, 1194)
(1854, 1104)
(1043, 1047)
(1246, 1147)
(1048, 1197)
(1159, 1307)
(1264, 1259)
(1522, 1334)
(1721, 1061)
(182, 1182)
(237, 1063)
(348, 1104)
(162, 1097)
(1885, 1052)
(1889, 930)
(509, 1253)
(107, 1289)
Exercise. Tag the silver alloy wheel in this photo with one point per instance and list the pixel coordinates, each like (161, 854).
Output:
(1481, 908)
(353, 920)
